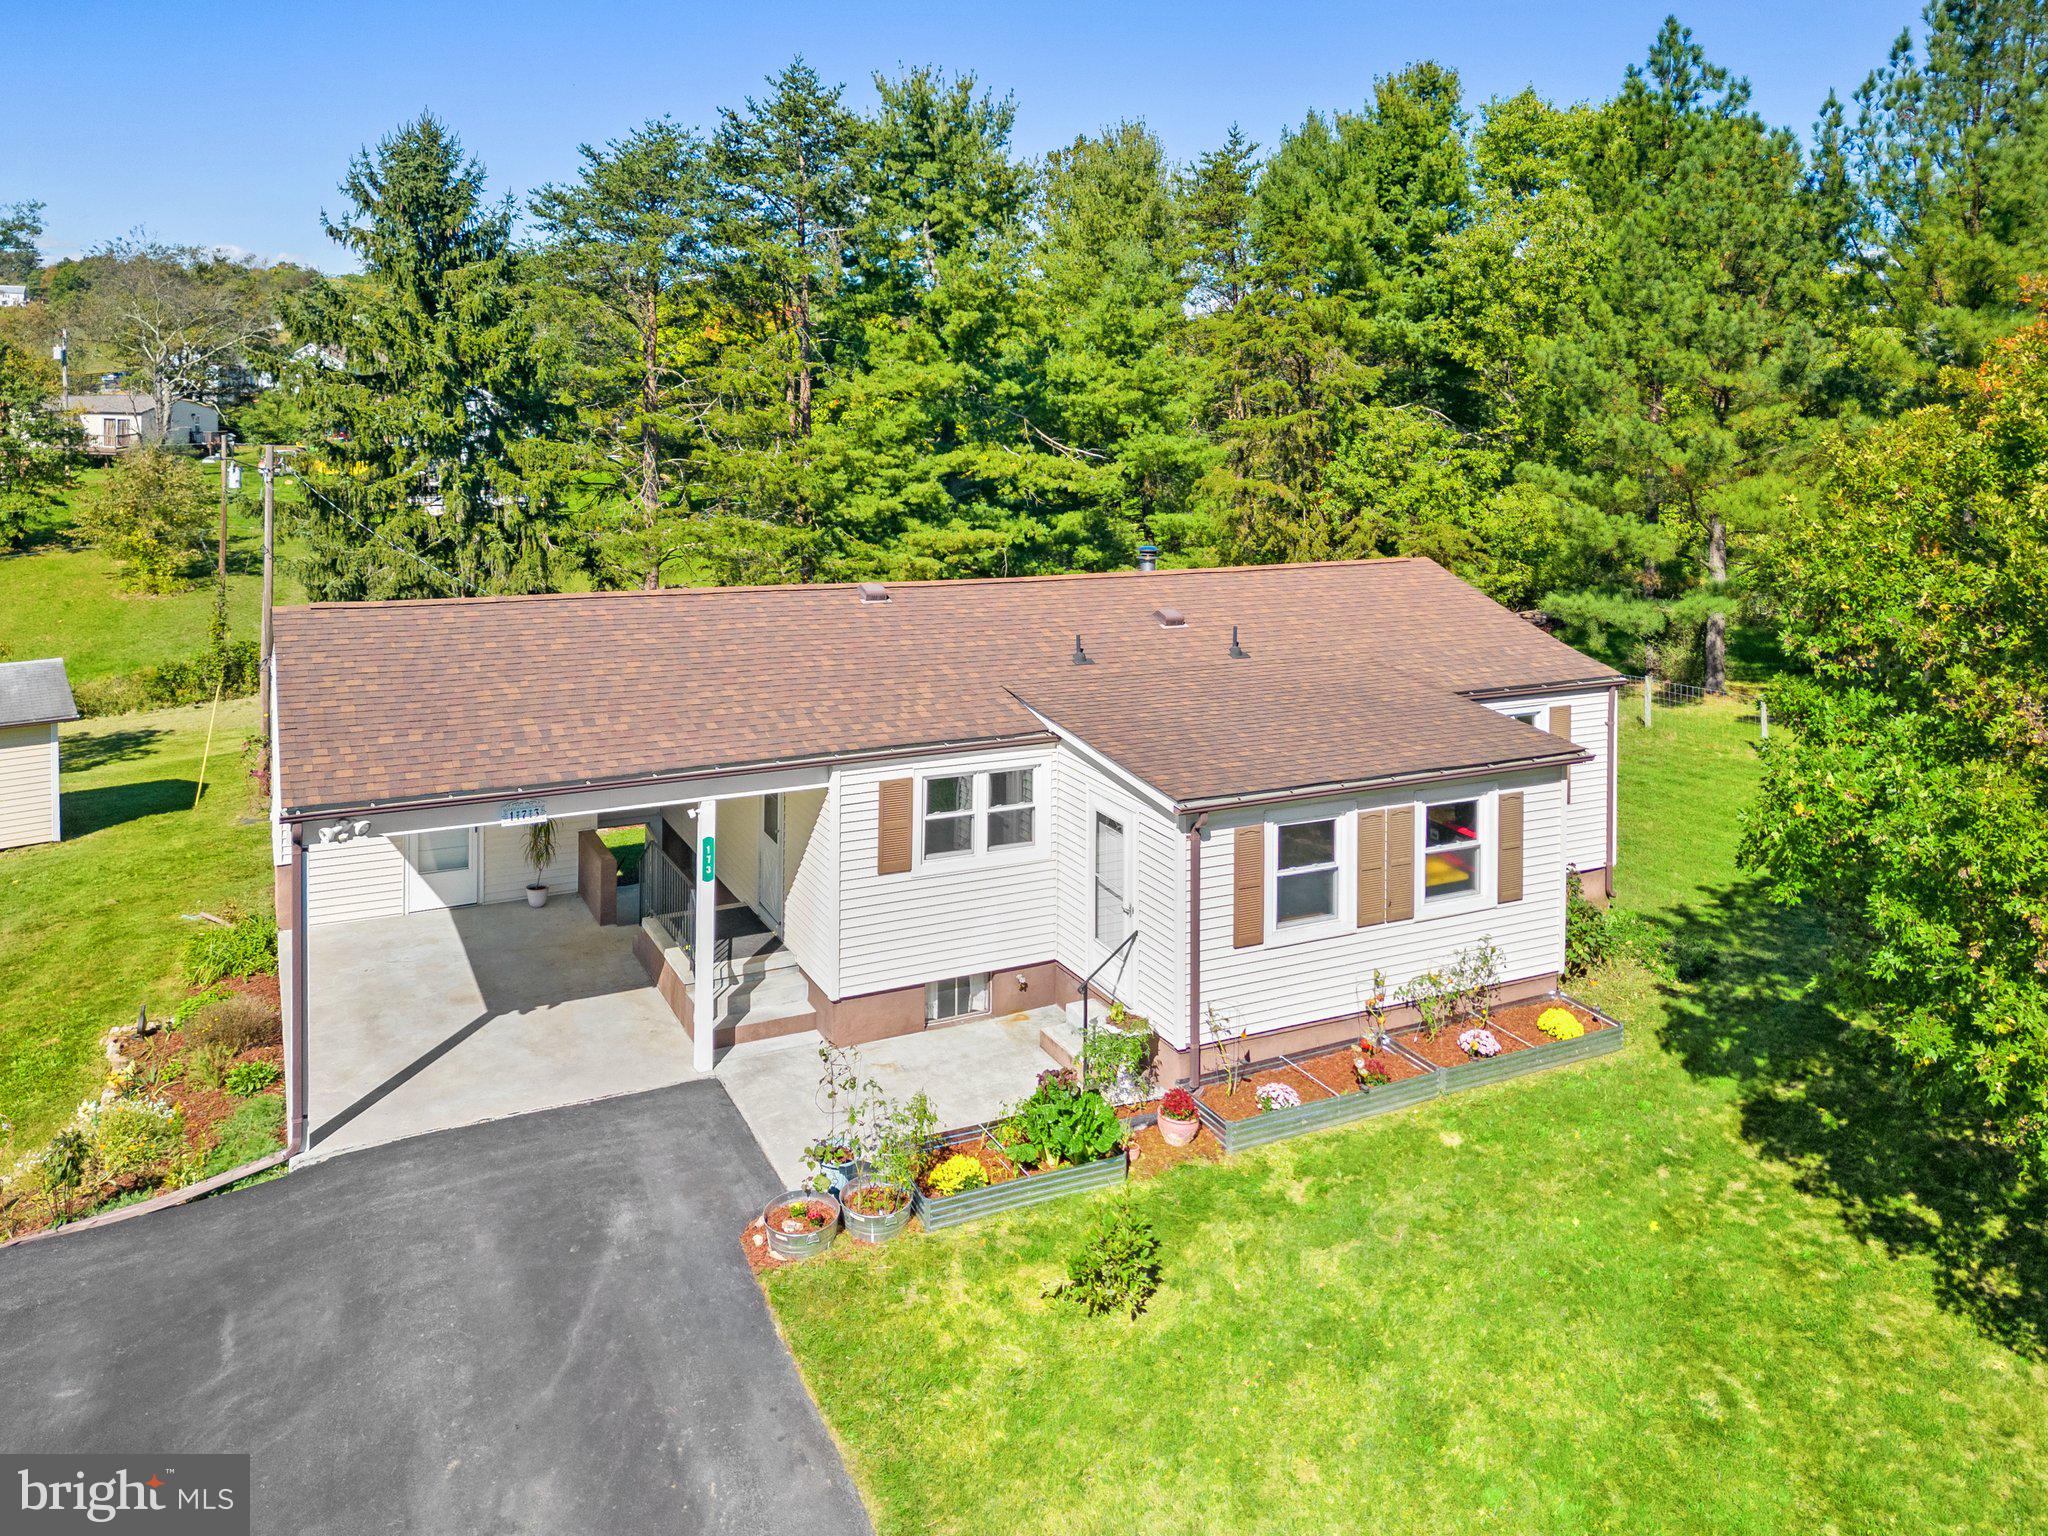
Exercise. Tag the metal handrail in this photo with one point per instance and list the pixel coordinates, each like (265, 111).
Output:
(1081, 1066)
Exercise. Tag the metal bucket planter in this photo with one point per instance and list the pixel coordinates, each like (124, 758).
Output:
(938, 1211)
(877, 1229)
(800, 1245)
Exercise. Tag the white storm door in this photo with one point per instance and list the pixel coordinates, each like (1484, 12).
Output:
(1110, 879)
(768, 861)
(442, 871)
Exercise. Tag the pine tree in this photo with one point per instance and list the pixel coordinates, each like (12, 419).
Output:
(427, 478)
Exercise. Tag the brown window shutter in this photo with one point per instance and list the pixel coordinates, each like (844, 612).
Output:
(892, 837)
(1400, 863)
(1559, 721)
(1248, 887)
(1372, 868)
(1509, 885)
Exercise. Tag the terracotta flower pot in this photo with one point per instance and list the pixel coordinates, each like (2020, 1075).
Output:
(1178, 1133)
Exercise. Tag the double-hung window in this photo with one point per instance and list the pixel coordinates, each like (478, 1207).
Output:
(1305, 873)
(1451, 850)
(965, 814)
(948, 815)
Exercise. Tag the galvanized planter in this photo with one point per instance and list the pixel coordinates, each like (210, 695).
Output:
(800, 1245)
(937, 1211)
(876, 1229)
(1321, 1114)
(1537, 1058)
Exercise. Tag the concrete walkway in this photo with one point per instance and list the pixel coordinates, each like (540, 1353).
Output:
(442, 1019)
(543, 1324)
(971, 1072)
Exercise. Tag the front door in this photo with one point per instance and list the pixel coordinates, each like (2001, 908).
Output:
(768, 861)
(442, 871)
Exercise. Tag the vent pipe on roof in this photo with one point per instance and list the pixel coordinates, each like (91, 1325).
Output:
(1081, 657)
(873, 592)
(1148, 557)
(1237, 652)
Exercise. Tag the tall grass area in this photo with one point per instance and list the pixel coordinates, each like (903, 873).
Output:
(94, 926)
(59, 596)
(1722, 1281)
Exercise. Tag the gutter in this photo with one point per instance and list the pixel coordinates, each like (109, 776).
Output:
(1208, 803)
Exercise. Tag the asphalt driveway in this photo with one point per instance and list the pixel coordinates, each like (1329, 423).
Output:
(538, 1324)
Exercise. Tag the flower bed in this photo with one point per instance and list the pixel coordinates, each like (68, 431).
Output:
(1524, 1047)
(1007, 1186)
(1330, 1090)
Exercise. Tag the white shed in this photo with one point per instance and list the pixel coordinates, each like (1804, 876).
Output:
(35, 698)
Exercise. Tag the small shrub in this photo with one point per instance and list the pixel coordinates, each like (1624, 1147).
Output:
(245, 1079)
(956, 1175)
(246, 946)
(1587, 939)
(1061, 1124)
(1273, 1096)
(188, 1008)
(131, 1136)
(1560, 1024)
(1178, 1104)
(235, 1023)
(1117, 1268)
(1479, 1042)
(206, 1065)
(63, 1163)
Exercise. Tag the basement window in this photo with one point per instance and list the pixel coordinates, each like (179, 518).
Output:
(958, 997)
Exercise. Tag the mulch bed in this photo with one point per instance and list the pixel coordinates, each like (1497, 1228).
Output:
(203, 1108)
(1152, 1154)
(1243, 1103)
(1513, 1025)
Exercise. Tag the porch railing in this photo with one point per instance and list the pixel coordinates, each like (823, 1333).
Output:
(668, 895)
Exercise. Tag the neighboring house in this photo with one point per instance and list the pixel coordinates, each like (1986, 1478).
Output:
(1234, 793)
(35, 698)
(116, 421)
(13, 295)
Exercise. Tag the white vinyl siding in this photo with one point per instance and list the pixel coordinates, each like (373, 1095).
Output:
(366, 876)
(28, 785)
(945, 917)
(1275, 984)
(1154, 981)
(1592, 783)
(739, 837)
(810, 877)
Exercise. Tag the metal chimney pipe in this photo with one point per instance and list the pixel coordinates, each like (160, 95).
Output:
(1148, 557)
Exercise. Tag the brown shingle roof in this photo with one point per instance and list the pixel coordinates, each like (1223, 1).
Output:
(1355, 665)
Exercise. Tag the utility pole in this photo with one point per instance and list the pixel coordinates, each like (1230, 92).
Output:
(268, 470)
(63, 355)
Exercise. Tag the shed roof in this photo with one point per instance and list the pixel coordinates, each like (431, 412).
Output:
(35, 693)
(1357, 670)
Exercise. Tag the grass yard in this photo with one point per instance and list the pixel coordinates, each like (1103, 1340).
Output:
(90, 928)
(59, 596)
(1722, 1281)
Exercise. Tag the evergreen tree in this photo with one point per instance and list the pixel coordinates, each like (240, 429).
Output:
(427, 478)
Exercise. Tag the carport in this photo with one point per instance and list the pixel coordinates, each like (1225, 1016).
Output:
(438, 1019)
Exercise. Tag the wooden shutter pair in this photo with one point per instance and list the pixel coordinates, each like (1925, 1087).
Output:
(1386, 865)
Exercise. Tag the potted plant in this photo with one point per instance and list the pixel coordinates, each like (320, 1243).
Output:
(852, 1106)
(540, 853)
(1177, 1121)
(832, 1160)
(874, 1211)
(800, 1223)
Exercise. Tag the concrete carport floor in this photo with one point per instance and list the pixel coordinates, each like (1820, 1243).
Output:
(441, 1019)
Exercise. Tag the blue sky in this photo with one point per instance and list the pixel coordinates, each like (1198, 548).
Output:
(231, 124)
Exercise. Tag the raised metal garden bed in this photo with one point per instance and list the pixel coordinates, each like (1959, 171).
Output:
(1536, 1058)
(1329, 1069)
(937, 1211)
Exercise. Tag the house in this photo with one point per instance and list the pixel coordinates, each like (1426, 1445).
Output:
(13, 295)
(35, 698)
(1224, 797)
(113, 421)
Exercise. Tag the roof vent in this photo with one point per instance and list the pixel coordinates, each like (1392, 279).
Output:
(1237, 652)
(1170, 618)
(1081, 657)
(873, 592)
(1148, 557)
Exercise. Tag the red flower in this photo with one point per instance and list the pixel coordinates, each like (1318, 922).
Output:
(1178, 1104)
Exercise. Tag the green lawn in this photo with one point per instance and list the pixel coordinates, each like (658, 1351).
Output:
(61, 597)
(1721, 1281)
(91, 927)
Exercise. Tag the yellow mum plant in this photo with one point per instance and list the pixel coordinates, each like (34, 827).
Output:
(1560, 1024)
(957, 1173)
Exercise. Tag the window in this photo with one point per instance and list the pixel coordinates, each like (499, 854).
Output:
(1450, 851)
(1305, 873)
(1526, 716)
(960, 997)
(771, 818)
(948, 815)
(1011, 811)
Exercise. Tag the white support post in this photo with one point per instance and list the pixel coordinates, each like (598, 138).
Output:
(1649, 687)
(1763, 718)
(704, 959)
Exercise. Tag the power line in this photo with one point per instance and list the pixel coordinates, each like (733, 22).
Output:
(461, 587)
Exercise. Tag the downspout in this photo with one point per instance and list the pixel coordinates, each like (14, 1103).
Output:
(295, 1034)
(1194, 1072)
(1613, 780)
